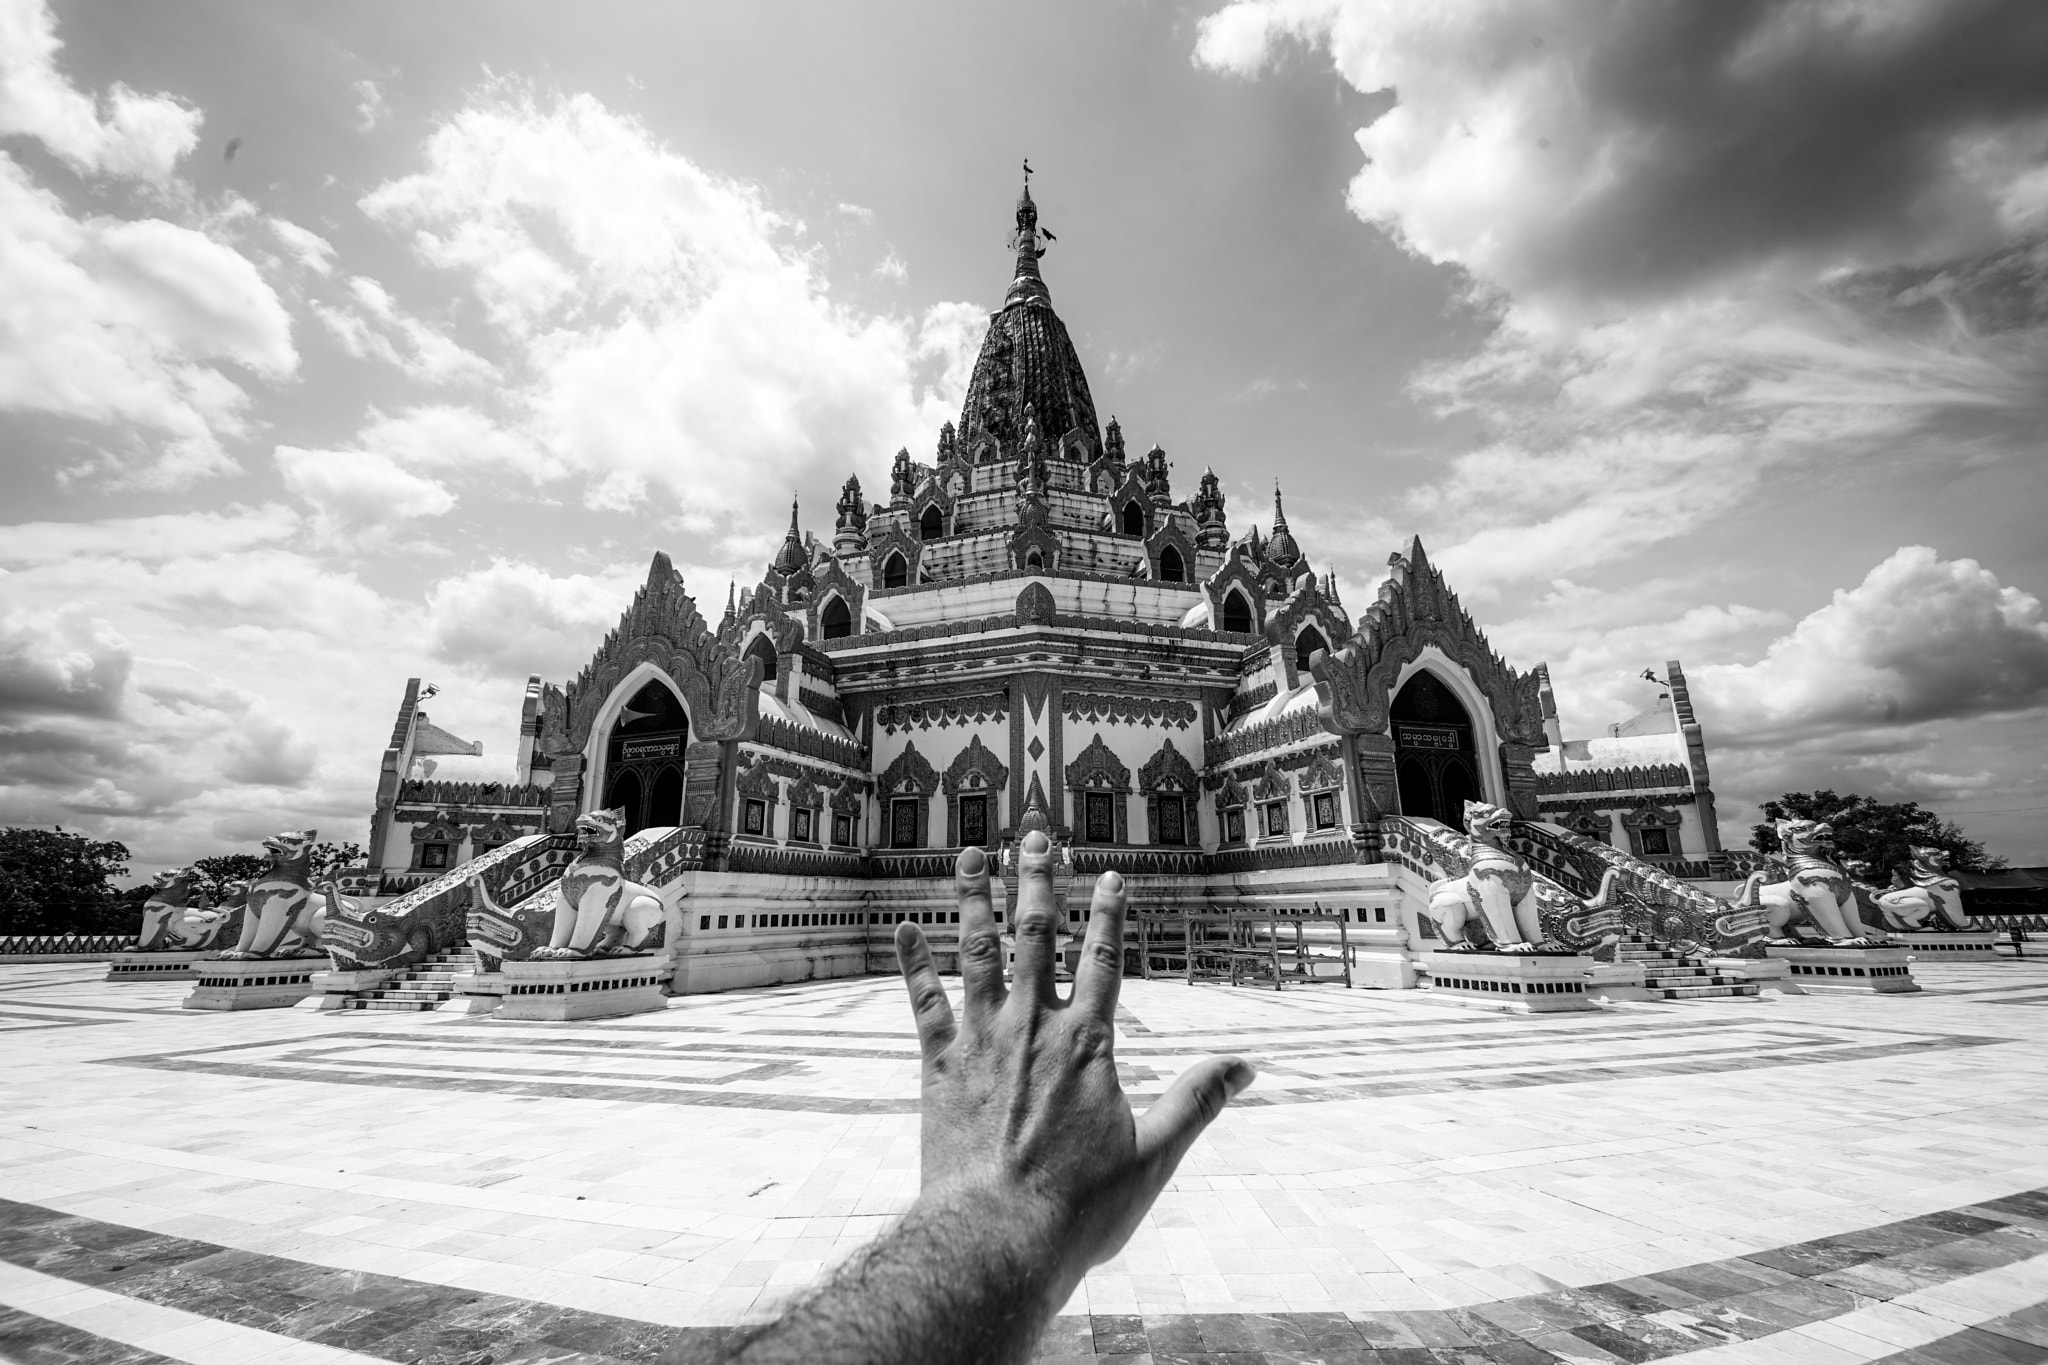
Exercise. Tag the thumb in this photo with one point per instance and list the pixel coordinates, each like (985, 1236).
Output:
(1190, 1104)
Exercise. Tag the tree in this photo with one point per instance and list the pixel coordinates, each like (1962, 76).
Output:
(52, 882)
(1881, 833)
(223, 868)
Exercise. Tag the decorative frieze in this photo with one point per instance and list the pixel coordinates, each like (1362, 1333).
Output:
(1292, 728)
(967, 708)
(427, 792)
(1652, 776)
(1098, 708)
(776, 733)
(1243, 703)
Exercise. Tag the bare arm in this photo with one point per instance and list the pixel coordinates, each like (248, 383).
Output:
(1034, 1168)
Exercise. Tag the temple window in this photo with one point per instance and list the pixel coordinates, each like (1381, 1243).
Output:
(762, 649)
(1171, 567)
(895, 571)
(932, 524)
(1233, 825)
(1306, 646)
(1173, 821)
(1656, 840)
(1101, 818)
(721, 921)
(903, 823)
(800, 825)
(1275, 817)
(842, 830)
(755, 819)
(835, 621)
(973, 820)
(1035, 562)
(1237, 613)
(1134, 519)
(1325, 809)
(434, 855)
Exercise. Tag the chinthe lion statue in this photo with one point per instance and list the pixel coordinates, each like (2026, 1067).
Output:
(1498, 893)
(1924, 897)
(178, 917)
(283, 918)
(598, 911)
(1816, 888)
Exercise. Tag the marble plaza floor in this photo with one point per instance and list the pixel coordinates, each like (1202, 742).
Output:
(1809, 1179)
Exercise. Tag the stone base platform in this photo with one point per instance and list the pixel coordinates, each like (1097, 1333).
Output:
(155, 966)
(1524, 983)
(333, 990)
(1607, 982)
(1765, 973)
(264, 983)
(474, 993)
(588, 988)
(1980, 945)
(1848, 971)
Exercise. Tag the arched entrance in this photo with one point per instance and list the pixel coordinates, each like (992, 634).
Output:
(643, 768)
(1435, 764)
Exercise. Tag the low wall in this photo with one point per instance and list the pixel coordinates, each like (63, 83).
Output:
(65, 947)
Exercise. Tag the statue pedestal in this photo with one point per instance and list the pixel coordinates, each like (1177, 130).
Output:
(331, 990)
(585, 988)
(475, 993)
(1765, 973)
(1848, 971)
(1930, 945)
(155, 966)
(1525, 983)
(264, 983)
(1607, 982)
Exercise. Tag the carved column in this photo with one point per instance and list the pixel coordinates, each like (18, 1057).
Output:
(1372, 772)
(1518, 776)
(565, 798)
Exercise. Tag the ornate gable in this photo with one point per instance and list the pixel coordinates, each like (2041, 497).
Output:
(1166, 771)
(1236, 571)
(1098, 769)
(911, 772)
(829, 579)
(1305, 606)
(1169, 533)
(661, 627)
(976, 760)
(1416, 609)
(893, 539)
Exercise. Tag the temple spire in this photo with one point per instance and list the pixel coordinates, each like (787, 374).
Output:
(1279, 512)
(1028, 286)
(790, 557)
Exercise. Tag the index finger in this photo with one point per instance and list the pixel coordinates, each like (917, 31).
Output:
(1101, 971)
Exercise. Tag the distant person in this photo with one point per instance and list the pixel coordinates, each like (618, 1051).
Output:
(1033, 1168)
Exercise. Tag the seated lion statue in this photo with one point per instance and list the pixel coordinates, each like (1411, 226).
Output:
(1498, 893)
(1815, 888)
(598, 911)
(1925, 897)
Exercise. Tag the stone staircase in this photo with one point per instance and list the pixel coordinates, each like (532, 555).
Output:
(1668, 975)
(421, 987)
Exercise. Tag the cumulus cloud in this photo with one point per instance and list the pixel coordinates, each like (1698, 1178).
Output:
(135, 325)
(561, 617)
(358, 491)
(1689, 294)
(371, 109)
(1920, 639)
(662, 325)
(307, 247)
(371, 326)
(62, 661)
(124, 133)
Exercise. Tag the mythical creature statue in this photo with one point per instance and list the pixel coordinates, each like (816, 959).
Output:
(598, 912)
(1927, 897)
(1815, 888)
(282, 918)
(179, 918)
(1498, 891)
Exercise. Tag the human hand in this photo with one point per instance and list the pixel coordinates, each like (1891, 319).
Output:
(1026, 1135)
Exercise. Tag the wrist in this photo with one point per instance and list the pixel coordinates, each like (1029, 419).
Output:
(1012, 1231)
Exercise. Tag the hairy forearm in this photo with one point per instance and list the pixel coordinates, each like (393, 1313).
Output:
(962, 1278)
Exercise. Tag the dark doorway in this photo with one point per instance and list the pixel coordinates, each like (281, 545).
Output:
(763, 649)
(895, 571)
(931, 525)
(1171, 569)
(644, 759)
(1436, 766)
(1237, 613)
(1306, 646)
(1134, 519)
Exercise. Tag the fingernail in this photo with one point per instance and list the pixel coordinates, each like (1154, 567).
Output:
(1036, 842)
(973, 862)
(1111, 881)
(1239, 1077)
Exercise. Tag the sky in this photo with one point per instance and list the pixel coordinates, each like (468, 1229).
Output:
(345, 343)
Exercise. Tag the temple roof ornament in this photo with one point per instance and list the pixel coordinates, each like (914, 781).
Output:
(1028, 367)
(1281, 549)
(790, 557)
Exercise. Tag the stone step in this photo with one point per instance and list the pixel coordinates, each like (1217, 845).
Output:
(410, 1006)
(1708, 992)
(400, 993)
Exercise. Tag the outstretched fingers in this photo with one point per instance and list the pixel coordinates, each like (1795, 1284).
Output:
(1038, 921)
(981, 948)
(1101, 970)
(1190, 1104)
(928, 1003)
